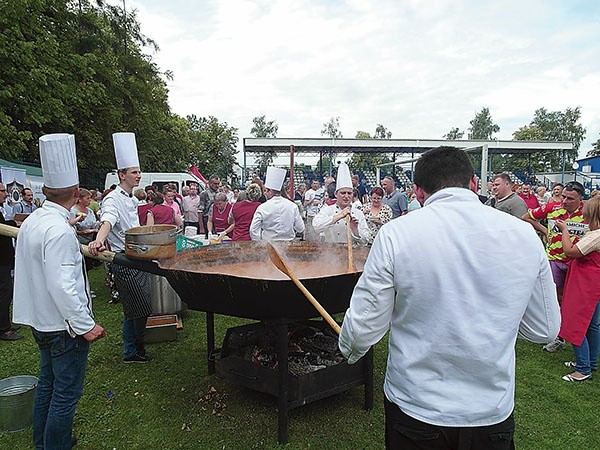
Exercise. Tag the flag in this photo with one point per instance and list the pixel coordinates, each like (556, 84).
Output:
(194, 171)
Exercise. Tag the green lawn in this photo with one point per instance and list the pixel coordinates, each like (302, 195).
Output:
(171, 403)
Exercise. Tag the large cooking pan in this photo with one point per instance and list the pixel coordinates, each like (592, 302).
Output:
(238, 279)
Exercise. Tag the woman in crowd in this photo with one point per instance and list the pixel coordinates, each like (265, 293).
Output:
(557, 189)
(161, 213)
(258, 181)
(580, 308)
(144, 205)
(542, 195)
(242, 212)
(376, 212)
(86, 222)
(169, 197)
(218, 215)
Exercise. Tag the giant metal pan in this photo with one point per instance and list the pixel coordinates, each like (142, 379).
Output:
(204, 281)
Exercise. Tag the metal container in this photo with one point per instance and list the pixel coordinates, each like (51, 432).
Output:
(161, 328)
(164, 298)
(151, 242)
(16, 402)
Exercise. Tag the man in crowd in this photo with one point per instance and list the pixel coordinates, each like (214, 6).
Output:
(394, 198)
(191, 203)
(26, 205)
(529, 197)
(7, 262)
(569, 211)
(362, 191)
(207, 198)
(450, 374)
(504, 199)
(52, 296)
(120, 213)
(331, 219)
(313, 198)
(278, 219)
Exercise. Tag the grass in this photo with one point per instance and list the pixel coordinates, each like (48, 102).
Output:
(171, 403)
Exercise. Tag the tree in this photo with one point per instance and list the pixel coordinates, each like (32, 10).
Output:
(213, 145)
(362, 135)
(332, 128)
(482, 126)
(595, 151)
(264, 129)
(553, 126)
(382, 132)
(454, 134)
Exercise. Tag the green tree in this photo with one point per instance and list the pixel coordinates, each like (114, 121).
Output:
(595, 151)
(367, 161)
(213, 145)
(482, 126)
(332, 128)
(382, 132)
(362, 135)
(264, 129)
(553, 126)
(454, 134)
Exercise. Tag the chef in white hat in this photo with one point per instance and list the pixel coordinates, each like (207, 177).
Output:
(119, 213)
(278, 219)
(331, 219)
(52, 296)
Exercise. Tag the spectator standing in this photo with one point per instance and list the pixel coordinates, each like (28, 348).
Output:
(52, 296)
(450, 374)
(313, 199)
(191, 203)
(362, 191)
(528, 197)
(145, 203)
(163, 214)
(207, 198)
(557, 189)
(119, 214)
(376, 213)
(569, 211)
(218, 217)
(504, 198)
(25, 205)
(7, 262)
(242, 213)
(395, 199)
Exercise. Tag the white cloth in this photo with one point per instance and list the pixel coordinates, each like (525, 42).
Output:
(126, 153)
(121, 210)
(274, 178)
(58, 158)
(454, 322)
(336, 232)
(309, 199)
(344, 180)
(50, 292)
(278, 219)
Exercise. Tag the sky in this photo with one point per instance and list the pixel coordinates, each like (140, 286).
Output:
(417, 67)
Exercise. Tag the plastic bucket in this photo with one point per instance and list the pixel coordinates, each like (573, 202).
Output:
(16, 402)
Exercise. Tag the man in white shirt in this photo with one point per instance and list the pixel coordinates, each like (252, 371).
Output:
(119, 213)
(52, 296)
(313, 199)
(331, 219)
(453, 322)
(278, 219)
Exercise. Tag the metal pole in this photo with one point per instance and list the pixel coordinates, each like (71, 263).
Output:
(291, 173)
(484, 168)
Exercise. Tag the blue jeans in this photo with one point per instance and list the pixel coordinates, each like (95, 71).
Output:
(63, 361)
(134, 333)
(586, 354)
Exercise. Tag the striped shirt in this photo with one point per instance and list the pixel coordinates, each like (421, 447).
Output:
(575, 223)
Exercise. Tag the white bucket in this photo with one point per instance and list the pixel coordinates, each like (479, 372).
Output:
(16, 402)
(190, 231)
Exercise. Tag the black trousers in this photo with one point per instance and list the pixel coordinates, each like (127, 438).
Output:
(6, 293)
(406, 433)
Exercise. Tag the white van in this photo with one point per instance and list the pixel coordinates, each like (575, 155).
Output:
(159, 179)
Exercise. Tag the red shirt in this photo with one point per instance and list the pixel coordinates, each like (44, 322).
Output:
(531, 201)
(163, 214)
(143, 213)
(220, 220)
(242, 213)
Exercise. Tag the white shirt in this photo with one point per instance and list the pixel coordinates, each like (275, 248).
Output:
(278, 219)
(51, 293)
(454, 322)
(121, 210)
(336, 232)
(309, 197)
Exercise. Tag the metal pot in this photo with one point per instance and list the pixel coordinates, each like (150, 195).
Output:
(151, 242)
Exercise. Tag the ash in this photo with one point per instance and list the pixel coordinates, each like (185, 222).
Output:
(309, 348)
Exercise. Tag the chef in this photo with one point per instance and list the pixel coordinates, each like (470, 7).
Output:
(119, 213)
(278, 219)
(52, 295)
(331, 219)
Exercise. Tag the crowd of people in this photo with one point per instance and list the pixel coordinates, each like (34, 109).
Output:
(442, 326)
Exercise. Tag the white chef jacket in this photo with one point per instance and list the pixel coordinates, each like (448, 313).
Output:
(121, 210)
(51, 292)
(336, 232)
(278, 219)
(457, 282)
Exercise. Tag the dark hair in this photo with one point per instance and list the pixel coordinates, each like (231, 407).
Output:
(377, 190)
(158, 199)
(443, 167)
(503, 176)
(331, 189)
(575, 186)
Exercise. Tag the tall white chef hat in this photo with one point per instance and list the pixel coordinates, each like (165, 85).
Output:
(275, 177)
(344, 180)
(59, 160)
(126, 152)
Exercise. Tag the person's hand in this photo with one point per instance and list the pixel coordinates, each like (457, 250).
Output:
(340, 215)
(561, 225)
(95, 247)
(354, 225)
(95, 333)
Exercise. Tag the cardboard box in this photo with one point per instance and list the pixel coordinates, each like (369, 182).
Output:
(161, 328)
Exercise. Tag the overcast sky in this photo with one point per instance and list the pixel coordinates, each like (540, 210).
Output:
(417, 67)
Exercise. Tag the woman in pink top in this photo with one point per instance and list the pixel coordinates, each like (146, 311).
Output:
(242, 213)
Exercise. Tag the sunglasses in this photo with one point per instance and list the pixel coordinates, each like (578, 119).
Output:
(573, 186)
